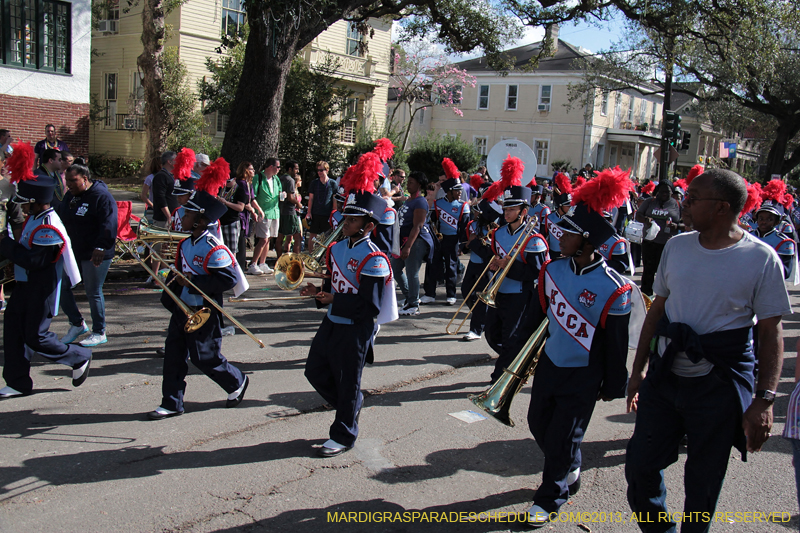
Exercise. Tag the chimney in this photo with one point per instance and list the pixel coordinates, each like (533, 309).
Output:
(551, 39)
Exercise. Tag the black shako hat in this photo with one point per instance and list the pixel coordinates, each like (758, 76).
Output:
(583, 221)
(364, 204)
(516, 195)
(207, 205)
(38, 190)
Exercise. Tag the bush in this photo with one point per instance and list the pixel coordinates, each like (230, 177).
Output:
(427, 152)
(103, 166)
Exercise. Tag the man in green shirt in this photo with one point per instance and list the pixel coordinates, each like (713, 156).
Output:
(267, 189)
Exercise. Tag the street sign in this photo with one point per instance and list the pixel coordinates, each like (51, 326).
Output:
(673, 154)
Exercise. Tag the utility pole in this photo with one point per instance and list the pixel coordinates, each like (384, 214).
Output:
(664, 162)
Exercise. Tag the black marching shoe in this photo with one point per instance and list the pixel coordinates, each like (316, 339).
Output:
(332, 448)
(239, 397)
(160, 413)
(161, 352)
(81, 372)
(574, 481)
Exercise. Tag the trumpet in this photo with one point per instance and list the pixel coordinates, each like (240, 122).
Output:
(206, 297)
(194, 319)
(496, 400)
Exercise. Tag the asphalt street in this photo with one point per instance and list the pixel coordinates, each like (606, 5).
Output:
(88, 460)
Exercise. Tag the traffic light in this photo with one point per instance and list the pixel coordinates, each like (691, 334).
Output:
(685, 140)
(672, 126)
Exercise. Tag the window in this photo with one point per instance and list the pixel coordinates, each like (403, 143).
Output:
(350, 121)
(481, 145)
(36, 34)
(222, 122)
(631, 103)
(643, 111)
(233, 15)
(604, 104)
(455, 92)
(136, 103)
(110, 89)
(545, 92)
(601, 155)
(421, 116)
(483, 97)
(354, 38)
(653, 116)
(542, 149)
(511, 97)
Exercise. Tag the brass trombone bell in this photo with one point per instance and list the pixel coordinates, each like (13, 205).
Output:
(291, 269)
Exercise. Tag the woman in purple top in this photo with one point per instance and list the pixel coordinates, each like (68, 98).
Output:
(416, 242)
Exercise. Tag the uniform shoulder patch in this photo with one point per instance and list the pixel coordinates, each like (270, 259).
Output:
(376, 264)
(218, 257)
(46, 235)
(389, 216)
(536, 244)
(619, 248)
(786, 247)
(621, 305)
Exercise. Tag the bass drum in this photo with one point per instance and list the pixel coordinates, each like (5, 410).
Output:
(514, 148)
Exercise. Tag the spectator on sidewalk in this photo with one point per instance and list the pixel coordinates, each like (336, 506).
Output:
(289, 228)
(320, 202)
(147, 189)
(89, 213)
(50, 142)
(50, 167)
(267, 190)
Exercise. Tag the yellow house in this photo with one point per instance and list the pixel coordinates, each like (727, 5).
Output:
(195, 30)
(616, 128)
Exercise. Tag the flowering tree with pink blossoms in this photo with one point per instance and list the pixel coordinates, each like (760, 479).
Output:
(424, 77)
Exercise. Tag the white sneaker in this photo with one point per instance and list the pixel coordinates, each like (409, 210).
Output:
(409, 311)
(265, 268)
(537, 517)
(74, 332)
(230, 331)
(427, 300)
(93, 340)
(451, 301)
(8, 392)
(471, 336)
(254, 270)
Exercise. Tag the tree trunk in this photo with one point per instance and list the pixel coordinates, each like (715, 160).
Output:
(153, 36)
(776, 159)
(253, 132)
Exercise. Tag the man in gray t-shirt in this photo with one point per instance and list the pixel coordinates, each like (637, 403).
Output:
(712, 285)
(289, 225)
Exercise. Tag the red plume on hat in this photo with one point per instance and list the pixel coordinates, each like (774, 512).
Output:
(510, 175)
(649, 188)
(681, 183)
(787, 201)
(563, 184)
(214, 177)
(20, 163)
(361, 176)
(604, 192)
(579, 182)
(384, 148)
(184, 162)
(450, 169)
(753, 197)
(774, 190)
(475, 181)
(693, 173)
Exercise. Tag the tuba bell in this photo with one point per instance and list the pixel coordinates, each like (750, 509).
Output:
(496, 400)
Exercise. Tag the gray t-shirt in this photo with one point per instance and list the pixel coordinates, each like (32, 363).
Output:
(718, 290)
(660, 214)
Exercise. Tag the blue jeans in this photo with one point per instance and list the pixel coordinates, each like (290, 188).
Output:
(408, 280)
(93, 278)
(705, 409)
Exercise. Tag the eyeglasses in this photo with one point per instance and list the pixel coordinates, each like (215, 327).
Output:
(689, 200)
(321, 170)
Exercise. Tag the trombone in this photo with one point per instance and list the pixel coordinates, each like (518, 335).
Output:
(489, 294)
(205, 296)
(195, 319)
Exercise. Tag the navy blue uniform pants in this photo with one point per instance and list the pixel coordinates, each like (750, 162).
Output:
(446, 263)
(500, 325)
(27, 322)
(335, 362)
(477, 321)
(562, 402)
(202, 347)
(706, 409)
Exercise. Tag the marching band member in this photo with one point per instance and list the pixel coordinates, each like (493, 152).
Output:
(478, 230)
(359, 290)
(41, 258)
(539, 209)
(383, 234)
(768, 218)
(337, 215)
(452, 216)
(589, 307)
(208, 263)
(516, 289)
(562, 188)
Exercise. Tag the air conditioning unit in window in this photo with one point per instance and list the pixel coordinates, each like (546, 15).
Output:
(544, 107)
(130, 123)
